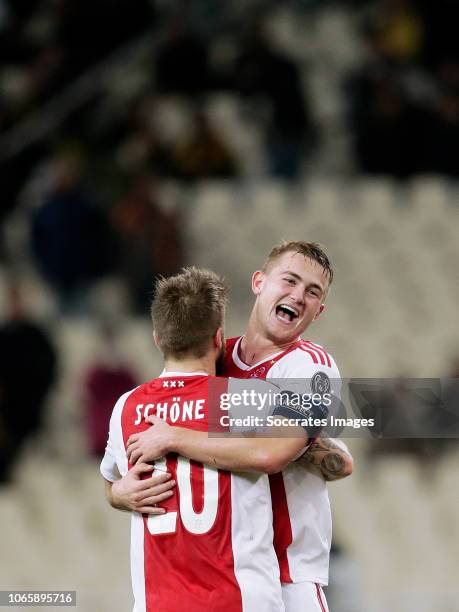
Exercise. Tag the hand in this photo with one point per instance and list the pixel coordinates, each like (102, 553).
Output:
(142, 495)
(150, 444)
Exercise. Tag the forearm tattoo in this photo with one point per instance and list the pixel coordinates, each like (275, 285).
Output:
(327, 456)
(332, 464)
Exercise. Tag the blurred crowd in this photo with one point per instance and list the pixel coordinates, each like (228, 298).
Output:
(91, 190)
(31, 371)
(404, 99)
(95, 180)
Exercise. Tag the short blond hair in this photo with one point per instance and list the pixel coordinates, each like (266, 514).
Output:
(311, 250)
(187, 310)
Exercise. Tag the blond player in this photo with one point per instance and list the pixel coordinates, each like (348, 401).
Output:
(290, 292)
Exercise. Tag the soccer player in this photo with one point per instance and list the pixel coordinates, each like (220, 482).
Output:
(290, 292)
(213, 549)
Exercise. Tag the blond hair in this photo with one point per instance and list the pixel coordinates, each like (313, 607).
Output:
(187, 310)
(311, 250)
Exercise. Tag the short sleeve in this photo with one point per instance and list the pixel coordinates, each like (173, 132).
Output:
(297, 372)
(114, 463)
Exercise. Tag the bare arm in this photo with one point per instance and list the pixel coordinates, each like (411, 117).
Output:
(254, 454)
(332, 457)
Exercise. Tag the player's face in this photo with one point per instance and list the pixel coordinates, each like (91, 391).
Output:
(290, 296)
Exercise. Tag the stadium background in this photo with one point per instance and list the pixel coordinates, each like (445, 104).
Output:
(139, 137)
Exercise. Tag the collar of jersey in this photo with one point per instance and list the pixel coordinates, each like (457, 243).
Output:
(243, 366)
(165, 374)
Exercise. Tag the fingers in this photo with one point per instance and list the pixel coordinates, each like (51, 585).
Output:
(152, 419)
(129, 449)
(148, 505)
(159, 478)
(155, 484)
(151, 510)
(133, 438)
(134, 456)
(161, 488)
(141, 468)
(157, 499)
(134, 453)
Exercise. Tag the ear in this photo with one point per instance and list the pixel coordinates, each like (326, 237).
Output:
(258, 279)
(156, 340)
(218, 339)
(319, 312)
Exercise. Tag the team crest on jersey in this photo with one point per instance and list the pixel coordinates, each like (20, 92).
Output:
(259, 372)
(320, 383)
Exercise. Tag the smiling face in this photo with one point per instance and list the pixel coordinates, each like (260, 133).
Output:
(290, 295)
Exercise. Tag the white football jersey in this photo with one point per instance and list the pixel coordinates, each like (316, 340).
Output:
(301, 507)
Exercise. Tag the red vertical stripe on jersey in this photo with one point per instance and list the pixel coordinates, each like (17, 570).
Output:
(319, 597)
(313, 355)
(281, 523)
(165, 558)
(319, 354)
(321, 351)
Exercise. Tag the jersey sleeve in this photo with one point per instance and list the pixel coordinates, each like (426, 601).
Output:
(114, 463)
(251, 401)
(297, 372)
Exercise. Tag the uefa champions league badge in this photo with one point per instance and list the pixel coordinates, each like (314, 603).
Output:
(320, 383)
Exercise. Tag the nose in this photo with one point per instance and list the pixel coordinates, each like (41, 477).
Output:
(297, 294)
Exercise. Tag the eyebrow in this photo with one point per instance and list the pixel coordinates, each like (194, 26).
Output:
(316, 286)
(298, 277)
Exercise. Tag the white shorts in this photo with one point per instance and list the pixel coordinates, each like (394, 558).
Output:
(304, 597)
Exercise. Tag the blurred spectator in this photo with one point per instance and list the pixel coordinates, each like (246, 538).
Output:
(16, 14)
(387, 127)
(150, 238)
(442, 126)
(41, 44)
(400, 29)
(27, 362)
(263, 71)
(70, 236)
(104, 382)
(203, 154)
(440, 31)
(182, 64)
(140, 145)
(15, 173)
(104, 25)
(404, 99)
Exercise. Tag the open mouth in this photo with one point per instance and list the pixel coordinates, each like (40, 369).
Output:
(286, 314)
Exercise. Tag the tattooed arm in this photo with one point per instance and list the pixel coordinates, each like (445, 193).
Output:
(331, 457)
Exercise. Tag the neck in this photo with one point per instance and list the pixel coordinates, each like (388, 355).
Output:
(255, 345)
(191, 364)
